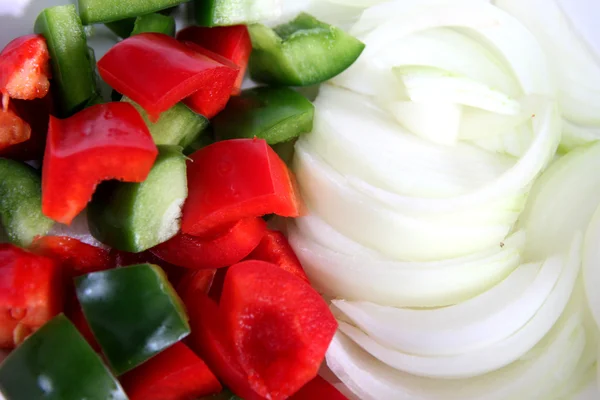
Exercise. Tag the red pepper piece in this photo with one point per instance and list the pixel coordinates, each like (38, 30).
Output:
(208, 339)
(235, 179)
(174, 374)
(78, 319)
(280, 327)
(232, 42)
(274, 248)
(25, 68)
(13, 130)
(318, 388)
(213, 251)
(31, 293)
(212, 98)
(174, 273)
(157, 71)
(216, 288)
(195, 281)
(105, 141)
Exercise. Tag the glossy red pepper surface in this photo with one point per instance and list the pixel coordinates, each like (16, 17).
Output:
(214, 251)
(235, 179)
(157, 71)
(24, 68)
(31, 293)
(232, 42)
(318, 388)
(106, 141)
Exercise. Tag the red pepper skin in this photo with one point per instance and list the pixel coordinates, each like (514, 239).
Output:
(13, 129)
(25, 68)
(157, 71)
(77, 317)
(232, 42)
(174, 374)
(31, 293)
(274, 248)
(318, 388)
(105, 141)
(235, 179)
(280, 327)
(195, 281)
(216, 288)
(208, 339)
(213, 97)
(220, 250)
(174, 273)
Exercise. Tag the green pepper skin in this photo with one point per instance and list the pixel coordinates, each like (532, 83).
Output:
(154, 23)
(134, 217)
(274, 114)
(102, 11)
(122, 28)
(133, 312)
(21, 203)
(56, 363)
(72, 73)
(234, 12)
(302, 52)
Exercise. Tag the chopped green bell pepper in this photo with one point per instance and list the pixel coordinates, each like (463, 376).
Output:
(154, 23)
(133, 312)
(56, 363)
(285, 151)
(134, 217)
(201, 142)
(234, 12)
(21, 203)
(274, 114)
(177, 126)
(302, 52)
(122, 28)
(72, 73)
(97, 11)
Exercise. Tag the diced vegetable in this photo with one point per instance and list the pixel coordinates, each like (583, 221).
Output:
(158, 86)
(21, 202)
(24, 68)
(274, 248)
(78, 319)
(233, 12)
(122, 28)
(96, 11)
(201, 142)
(107, 141)
(57, 364)
(32, 293)
(224, 395)
(132, 326)
(175, 374)
(302, 52)
(123, 259)
(285, 151)
(73, 77)
(274, 114)
(137, 216)
(318, 388)
(262, 306)
(154, 23)
(13, 130)
(222, 249)
(177, 126)
(194, 282)
(231, 42)
(236, 179)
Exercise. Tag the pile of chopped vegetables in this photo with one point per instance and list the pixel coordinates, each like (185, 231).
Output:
(313, 200)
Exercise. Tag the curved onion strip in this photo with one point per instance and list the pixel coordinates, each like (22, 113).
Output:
(78, 229)
(481, 321)
(591, 265)
(403, 284)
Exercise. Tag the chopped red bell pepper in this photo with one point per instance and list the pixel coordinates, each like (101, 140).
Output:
(212, 98)
(280, 327)
(213, 251)
(157, 71)
(174, 273)
(194, 282)
(31, 293)
(232, 42)
(216, 288)
(25, 68)
(274, 248)
(13, 130)
(105, 141)
(235, 179)
(318, 388)
(177, 373)
(77, 317)
(208, 339)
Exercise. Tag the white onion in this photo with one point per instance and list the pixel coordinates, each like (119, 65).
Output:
(591, 266)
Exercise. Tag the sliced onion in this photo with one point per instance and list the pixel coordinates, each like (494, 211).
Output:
(78, 229)
(591, 265)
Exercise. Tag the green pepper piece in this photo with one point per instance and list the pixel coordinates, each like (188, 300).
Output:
(234, 12)
(198, 144)
(274, 114)
(21, 203)
(154, 23)
(302, 52)
(134, 217)
(122, 28)
(102, 11)
(285, 151)
(56, 363)
(72, 73)
(177, 126)
(133, 312)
